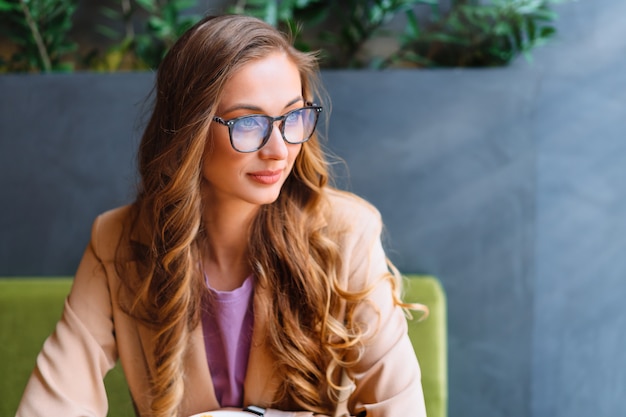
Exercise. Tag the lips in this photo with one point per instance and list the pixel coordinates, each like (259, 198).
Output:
(267, 176)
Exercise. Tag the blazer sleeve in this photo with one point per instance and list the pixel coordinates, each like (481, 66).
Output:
(68, 376)
(387, 378)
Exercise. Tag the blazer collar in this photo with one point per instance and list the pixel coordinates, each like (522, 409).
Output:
(261, 383)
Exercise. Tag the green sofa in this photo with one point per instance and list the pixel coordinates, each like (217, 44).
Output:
(30, 307)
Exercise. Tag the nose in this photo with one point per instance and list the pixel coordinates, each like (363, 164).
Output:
(276, 147)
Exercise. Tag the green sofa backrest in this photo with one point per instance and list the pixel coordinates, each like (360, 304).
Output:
(30, 307)
(430, 340)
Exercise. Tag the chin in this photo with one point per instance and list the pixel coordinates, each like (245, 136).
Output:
(267, 198)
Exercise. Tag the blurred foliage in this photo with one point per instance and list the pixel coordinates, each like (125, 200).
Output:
(454, 33)
(348, 33)
(164, 21)
(339, 29)
(476, 35)
(39, 32)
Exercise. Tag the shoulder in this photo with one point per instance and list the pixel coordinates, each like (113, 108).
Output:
(355, 225)
(109, 230)
(351, 210)
(352, 220)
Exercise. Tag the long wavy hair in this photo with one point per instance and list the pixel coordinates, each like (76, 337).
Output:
(292, 253)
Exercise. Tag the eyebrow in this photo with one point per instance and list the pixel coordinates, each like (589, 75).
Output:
(256, 108)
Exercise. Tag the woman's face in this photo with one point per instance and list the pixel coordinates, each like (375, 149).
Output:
(269, 86)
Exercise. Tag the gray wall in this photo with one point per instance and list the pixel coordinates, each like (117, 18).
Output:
(506, 184)
(579, 360)
(67, 145)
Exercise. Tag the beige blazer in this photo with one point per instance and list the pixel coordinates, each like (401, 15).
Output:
(94, 333)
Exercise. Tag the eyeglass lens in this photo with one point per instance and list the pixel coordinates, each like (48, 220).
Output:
(250, 133)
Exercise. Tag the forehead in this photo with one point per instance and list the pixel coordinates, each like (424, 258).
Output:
(267, 83)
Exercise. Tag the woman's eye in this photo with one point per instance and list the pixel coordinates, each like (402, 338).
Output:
(250, 123)
(293, 117)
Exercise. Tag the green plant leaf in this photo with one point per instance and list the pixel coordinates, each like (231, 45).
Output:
(150, 6)
(547, 32)
(8, 7)
(271, 13)
(157, 25)
(545, 15)
(107, 32)
(181, 5)
(110, 13)
(412, 28)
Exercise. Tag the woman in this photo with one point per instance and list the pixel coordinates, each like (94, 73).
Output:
(238, 277)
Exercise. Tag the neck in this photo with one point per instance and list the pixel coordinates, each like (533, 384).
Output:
(225, 251)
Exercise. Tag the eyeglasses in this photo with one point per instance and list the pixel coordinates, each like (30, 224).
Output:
(250, 133)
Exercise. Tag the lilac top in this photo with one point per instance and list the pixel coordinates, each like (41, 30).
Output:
(227, 325)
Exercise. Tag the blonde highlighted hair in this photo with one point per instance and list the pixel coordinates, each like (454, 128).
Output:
(292, 252)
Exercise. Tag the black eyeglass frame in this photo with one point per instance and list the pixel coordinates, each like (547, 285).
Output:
(231, 122)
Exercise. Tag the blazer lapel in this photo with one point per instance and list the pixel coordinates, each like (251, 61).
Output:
(199, 390)
(261, 384)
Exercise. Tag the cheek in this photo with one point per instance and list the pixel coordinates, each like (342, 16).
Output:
(294, 154)
(218, 146)
(217, 137)
(294, 151)
(217, 154)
